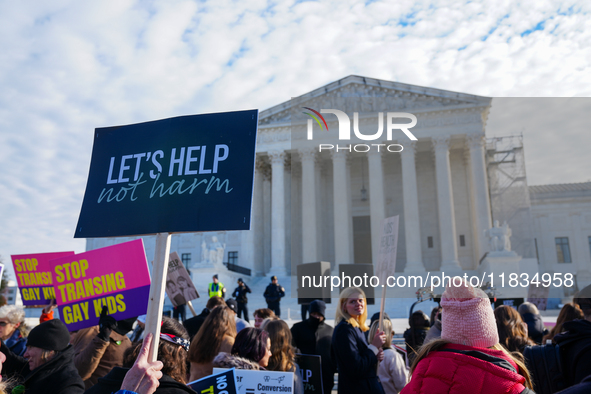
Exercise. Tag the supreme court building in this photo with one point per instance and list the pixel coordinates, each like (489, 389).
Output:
(316, 203)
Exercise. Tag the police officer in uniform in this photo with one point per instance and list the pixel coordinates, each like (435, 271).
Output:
(273, 294)
(240, 295)
(216, 288)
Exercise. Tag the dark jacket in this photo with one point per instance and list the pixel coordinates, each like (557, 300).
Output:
(356, 362)
(113, 380)
(535, 327)
(240, 293)
(576, 355)
(56, 376)
(582, 388)
(414, 338)
(313, 338)
(273, 293)
(457, 369)
(193, 324)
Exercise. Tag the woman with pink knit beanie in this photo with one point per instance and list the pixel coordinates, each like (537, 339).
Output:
(468, 358)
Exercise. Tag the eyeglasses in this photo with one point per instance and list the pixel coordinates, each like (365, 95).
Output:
(3, 324)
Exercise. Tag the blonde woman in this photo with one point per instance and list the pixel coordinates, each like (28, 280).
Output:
(468, 358)
(356, 360)
(392, 372)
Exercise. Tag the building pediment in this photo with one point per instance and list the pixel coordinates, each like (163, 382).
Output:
(361, 94)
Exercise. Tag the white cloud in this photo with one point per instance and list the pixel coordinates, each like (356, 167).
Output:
(67, 67)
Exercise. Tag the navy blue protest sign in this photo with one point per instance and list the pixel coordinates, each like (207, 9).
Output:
(311, 370)
(220, 383)
(183, 174)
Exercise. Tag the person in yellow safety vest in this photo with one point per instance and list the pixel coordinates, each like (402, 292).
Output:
(216, 288)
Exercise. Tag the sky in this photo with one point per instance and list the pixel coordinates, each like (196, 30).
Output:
(68, 67)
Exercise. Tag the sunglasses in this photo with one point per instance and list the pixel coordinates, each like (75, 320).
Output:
(3, 324)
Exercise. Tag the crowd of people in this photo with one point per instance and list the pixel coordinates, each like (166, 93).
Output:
(466, 346)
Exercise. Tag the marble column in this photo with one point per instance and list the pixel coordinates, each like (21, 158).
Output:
(309, 215)
(277, 213)
(445, 206)
(377, 203)
(342, 211)
(257, 225)
(410, 198)
(267, 219)
(481, 215)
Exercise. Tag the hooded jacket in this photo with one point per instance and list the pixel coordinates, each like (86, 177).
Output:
(56, 376)
(535, 327)
(576, 355)
(312, 336)
(458, 369)
(111, 383)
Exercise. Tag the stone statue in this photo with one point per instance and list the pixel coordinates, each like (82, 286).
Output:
(216, 251)
(204, 254)
(507, 237)
(499, 237)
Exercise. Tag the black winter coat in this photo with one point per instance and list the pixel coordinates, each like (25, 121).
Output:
(582, 388)
(356, 363)
(273, 293)
(310, 338)
(240, 293)
(193, 324)
(576, 355)
(56, 376)
(535, 327)
(113, 380)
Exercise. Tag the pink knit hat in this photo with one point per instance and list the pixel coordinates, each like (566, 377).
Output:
(468, 318)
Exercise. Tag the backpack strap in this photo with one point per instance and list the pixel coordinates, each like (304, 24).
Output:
(499, 362)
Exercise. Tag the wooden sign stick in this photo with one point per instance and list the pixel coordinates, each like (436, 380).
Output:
(190, 305)
(157, 292)
(382, 306)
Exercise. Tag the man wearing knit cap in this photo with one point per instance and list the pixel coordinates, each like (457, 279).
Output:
(314, 336)
(48, 364)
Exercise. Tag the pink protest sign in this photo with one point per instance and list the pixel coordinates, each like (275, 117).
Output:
(116, 277)
(33, 276)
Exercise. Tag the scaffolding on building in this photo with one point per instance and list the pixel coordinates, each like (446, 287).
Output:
(509, 194)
